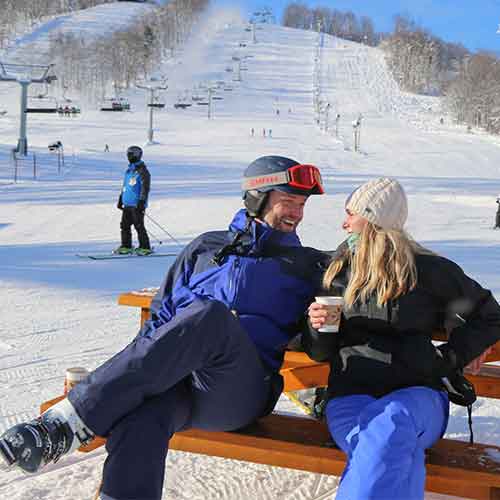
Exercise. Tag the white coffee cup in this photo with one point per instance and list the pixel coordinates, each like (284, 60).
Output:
(334, 306)
(74, 375)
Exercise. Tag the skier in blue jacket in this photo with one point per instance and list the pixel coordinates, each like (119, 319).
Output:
(210, 355)
(133, 202)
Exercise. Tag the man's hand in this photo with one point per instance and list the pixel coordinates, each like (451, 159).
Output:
(141, 206)
(317, 315)
(475, 365)
(119, 205)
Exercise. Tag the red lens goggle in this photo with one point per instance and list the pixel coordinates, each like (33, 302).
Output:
(305, 177)
(302, 177)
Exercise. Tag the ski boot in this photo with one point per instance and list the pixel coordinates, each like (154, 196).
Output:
(123, 250)
(143, 251)
(45, 439)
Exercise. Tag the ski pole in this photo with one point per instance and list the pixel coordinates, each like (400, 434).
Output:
(164, 230)
(155, 237)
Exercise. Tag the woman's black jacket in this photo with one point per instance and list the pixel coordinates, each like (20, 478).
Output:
(381, 349)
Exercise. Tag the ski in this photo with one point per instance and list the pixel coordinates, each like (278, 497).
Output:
(109, 256)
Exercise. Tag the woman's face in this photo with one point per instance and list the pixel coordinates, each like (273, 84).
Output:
(353, 223)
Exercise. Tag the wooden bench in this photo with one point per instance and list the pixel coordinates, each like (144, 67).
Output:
(453, 467)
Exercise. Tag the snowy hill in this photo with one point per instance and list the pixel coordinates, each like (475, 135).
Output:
(99, 21)
(61, 311)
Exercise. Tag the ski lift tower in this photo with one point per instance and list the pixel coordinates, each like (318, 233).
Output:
(152, 90)
(25, 75)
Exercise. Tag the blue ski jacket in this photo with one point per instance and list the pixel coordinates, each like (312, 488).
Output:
(136, 184)
(268, 281)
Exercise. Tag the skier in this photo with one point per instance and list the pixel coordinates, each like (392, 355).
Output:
(387, 393)
(133, 201)
(210, 355)
(497, 217)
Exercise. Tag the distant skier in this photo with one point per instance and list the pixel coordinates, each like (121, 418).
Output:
(133, 201)
(497, 218)
(106, 148)
(270, 133)
(252, 131)
(263, 132)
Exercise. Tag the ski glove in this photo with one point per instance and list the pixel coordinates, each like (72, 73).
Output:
(119, 205)
(141, 206)
(460, 391)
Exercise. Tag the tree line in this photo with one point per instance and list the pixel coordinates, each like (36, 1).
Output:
(16, 14)
(345, 25)
(469, 82)
(419, 61)
(93, 68)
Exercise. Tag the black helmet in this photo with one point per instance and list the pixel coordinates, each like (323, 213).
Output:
(134, 154)
(269, 173)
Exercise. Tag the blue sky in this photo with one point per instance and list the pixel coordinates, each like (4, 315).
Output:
(471, 22)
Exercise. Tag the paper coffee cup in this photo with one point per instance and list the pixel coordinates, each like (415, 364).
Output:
(73, 376)
(334, 308)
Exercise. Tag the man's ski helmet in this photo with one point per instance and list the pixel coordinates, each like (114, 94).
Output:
(134, 154)
(269, 173)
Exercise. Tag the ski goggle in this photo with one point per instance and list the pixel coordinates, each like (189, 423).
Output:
(302, 177)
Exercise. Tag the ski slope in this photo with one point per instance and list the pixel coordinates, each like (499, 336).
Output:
(61, 311)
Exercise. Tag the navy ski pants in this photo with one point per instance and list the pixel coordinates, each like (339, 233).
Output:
(132, 216)
(198, 370)
(385, 441)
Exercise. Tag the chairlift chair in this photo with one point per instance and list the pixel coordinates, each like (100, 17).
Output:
(42, 104)
(115, 104)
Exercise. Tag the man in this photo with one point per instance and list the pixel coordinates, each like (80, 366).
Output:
(210, 355)
(133, 201)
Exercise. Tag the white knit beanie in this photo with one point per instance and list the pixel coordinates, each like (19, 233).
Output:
(381, 201)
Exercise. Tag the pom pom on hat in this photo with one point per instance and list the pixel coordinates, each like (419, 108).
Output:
(381, 201)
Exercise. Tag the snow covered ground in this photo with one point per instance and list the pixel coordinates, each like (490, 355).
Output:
(60, 311)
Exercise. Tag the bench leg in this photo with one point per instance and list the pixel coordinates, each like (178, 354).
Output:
(98, 491)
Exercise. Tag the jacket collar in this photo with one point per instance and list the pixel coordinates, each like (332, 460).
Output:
(262, 236)
(133, 166)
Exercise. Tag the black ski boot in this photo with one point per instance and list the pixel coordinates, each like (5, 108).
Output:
(45, 439)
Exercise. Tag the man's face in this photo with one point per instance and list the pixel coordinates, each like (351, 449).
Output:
(284, 211)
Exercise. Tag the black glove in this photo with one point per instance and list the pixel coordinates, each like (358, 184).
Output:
(119, 205)
(141, 206)
(460, 391)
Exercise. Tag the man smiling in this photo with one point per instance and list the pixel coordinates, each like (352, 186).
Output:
(210, 355)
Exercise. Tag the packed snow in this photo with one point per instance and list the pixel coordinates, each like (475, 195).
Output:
(60, 310)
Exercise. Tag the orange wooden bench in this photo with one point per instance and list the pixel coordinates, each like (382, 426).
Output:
(302, 443)
(453, 467)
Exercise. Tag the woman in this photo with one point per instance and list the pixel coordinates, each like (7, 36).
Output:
(386, 397)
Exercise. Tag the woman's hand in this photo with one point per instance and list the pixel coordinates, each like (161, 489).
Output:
(317, 315)
(475, 365)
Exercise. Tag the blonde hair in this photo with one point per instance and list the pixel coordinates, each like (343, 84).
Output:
(383, 263)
